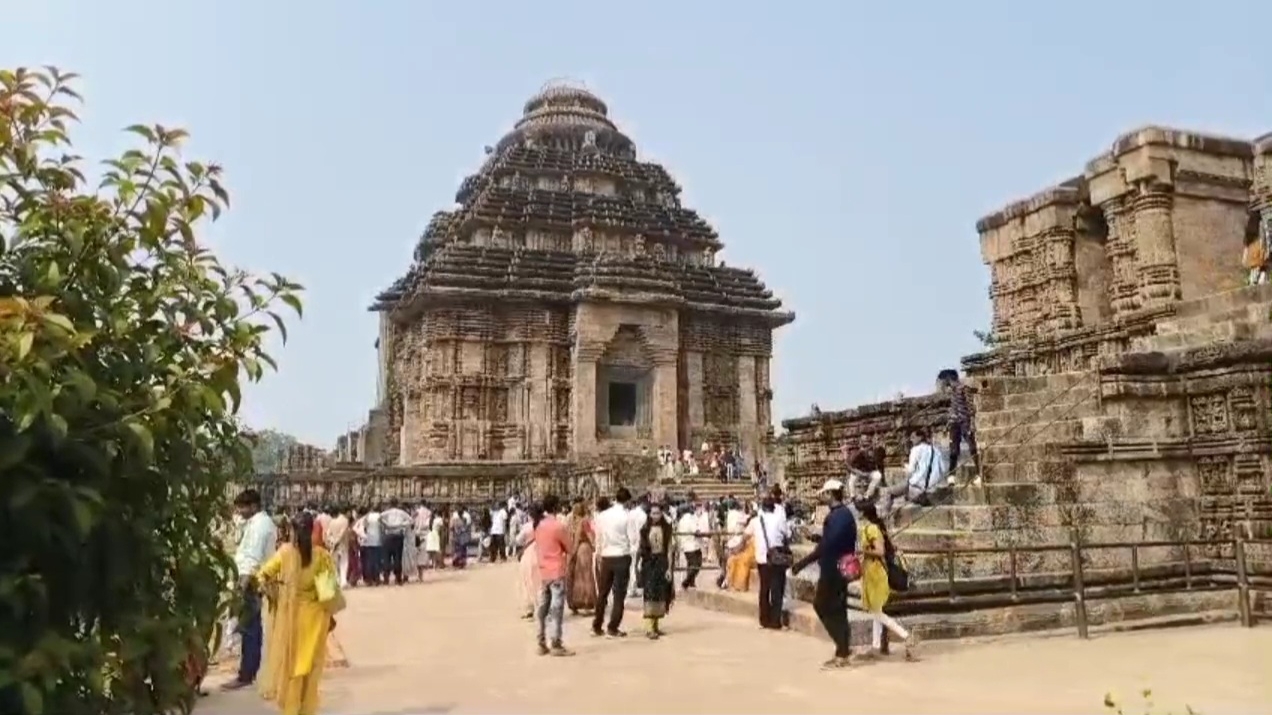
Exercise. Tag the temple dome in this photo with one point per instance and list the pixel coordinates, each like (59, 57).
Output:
(567, 115)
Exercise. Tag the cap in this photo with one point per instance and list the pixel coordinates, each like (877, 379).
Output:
(832, 485)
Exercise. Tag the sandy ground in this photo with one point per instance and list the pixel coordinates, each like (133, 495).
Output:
(455, 644)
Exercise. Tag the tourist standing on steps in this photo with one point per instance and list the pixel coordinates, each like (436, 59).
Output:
(616, 547)
(254, 549)
(498, 533)
(830, 600)
(962, 421)
(772, 537)
(552, 545)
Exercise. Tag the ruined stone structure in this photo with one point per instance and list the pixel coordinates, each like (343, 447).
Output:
(567, 313)
(1128, 393)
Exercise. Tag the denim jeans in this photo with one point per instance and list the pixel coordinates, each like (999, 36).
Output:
(252, 635)
(550, 612)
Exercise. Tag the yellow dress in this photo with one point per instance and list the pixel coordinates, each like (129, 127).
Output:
(874, 574)
(740, 566)
(296, 635)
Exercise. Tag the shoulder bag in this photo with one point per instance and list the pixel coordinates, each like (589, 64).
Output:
(779, 555)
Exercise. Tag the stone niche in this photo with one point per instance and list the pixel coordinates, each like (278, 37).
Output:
(624, 378)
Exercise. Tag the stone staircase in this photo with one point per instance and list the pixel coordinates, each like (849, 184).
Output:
(708, 489)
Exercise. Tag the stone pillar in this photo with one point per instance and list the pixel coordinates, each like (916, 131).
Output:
(664, 402)
(1124, 294)
(540, 397)
(697, 409)
(583, 399)
(748, 419)
(1061, 294)
(1155, 245)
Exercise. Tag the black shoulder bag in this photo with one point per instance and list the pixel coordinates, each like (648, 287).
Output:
(777, 555)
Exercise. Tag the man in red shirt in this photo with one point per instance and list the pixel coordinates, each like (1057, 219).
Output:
(552, 542)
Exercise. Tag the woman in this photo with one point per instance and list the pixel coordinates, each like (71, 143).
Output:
(876, 549)
(459, 539)
(528, 566)
(580, 568)
(433, 541)
(354, 572)
(657, 554)
(443, 536)
(296, 644)
(742, 562)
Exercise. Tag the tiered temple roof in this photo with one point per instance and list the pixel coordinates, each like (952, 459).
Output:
(562, 210)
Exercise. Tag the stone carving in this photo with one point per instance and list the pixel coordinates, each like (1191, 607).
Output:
(589, 140)
(1245, 408)
(1209, 414)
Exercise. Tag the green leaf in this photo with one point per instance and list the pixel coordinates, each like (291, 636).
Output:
(145, 440)
(57, 423)
(14, 450)
(292, 300)
(84, 517)
(25, 341)
(60, 321)
(32, 699)
(142, 130)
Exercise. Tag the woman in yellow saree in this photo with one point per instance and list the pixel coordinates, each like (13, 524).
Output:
(742, 562)
(303, 589)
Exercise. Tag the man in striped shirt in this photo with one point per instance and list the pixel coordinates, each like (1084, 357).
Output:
(962, 421)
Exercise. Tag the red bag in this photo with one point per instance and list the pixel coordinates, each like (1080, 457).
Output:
(850, 566)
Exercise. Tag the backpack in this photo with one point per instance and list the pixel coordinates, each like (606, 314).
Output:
(898, 569)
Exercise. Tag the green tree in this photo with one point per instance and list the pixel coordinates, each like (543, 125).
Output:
(269, 448)
(122, 345)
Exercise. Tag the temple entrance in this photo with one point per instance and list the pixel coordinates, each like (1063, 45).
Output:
(625, 387)
(622, 404)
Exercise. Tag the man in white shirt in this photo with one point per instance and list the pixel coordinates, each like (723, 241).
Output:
(336, 536)
(772, 537)
(254, 549)
(691, 530)
(371, 535)
(396, 524)
(499, 533)
(636, 518)
(615, 548)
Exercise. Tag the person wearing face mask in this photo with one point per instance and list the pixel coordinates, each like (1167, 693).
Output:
(657, 554)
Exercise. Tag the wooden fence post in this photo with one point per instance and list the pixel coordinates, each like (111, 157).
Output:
(1079, 584)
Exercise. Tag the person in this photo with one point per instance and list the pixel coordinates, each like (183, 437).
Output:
(742, 561)
(301, 619)
(395, 523)
(552, 547)
(355, 550)
(830, 599)
(498, 530)
(691, 531)
(255, 548)
(371, 535)
(962, 422)
(865, 477)
(924, 471)
(877, 550)
(336, 539)
(459, 536)
(528, 564)
(1257, 257)
(636, 518)
(657, 554)
(771, 535)
(581, 571)
(615, 546)
(433, 540)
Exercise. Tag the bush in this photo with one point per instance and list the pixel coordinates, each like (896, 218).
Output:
(122, 344)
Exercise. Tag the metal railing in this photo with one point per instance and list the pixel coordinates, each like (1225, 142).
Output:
(1189, 575)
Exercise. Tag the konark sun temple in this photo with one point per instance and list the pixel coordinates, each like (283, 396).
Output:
(569, 317)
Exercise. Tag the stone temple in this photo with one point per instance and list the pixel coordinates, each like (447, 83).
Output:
(1126, 395)
(568, 312)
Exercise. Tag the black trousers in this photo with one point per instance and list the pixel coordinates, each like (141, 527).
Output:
(830, 602)
(772, 590)
(372, 565)
(693, 565)
(498, 548)
(393, 544)
(612, 578)
(958, 433)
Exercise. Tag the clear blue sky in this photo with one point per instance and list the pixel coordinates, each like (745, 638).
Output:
(844, 149)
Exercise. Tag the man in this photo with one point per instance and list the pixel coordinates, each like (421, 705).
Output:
(552, 543)
(772, 536)
(615, 546)
(336, 537)
(395, 523)
(254, 549)
(371, 535)
(636, 518)
(692, 529)
(830, 600)
(962, 422)
(499, 532)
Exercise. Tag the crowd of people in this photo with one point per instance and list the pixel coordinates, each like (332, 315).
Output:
(725, 464)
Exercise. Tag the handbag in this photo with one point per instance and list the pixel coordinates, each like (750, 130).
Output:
(777, 555)
(898, 570)
(329, 594)
(850, 566)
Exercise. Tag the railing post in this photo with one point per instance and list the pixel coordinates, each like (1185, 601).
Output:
(1015, 594)
(1188, 564)
(1243, 584)
(1135, 570)
(1079, 584)
(949, 572)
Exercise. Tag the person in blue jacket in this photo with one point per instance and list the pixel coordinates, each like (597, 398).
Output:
(830, 600)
